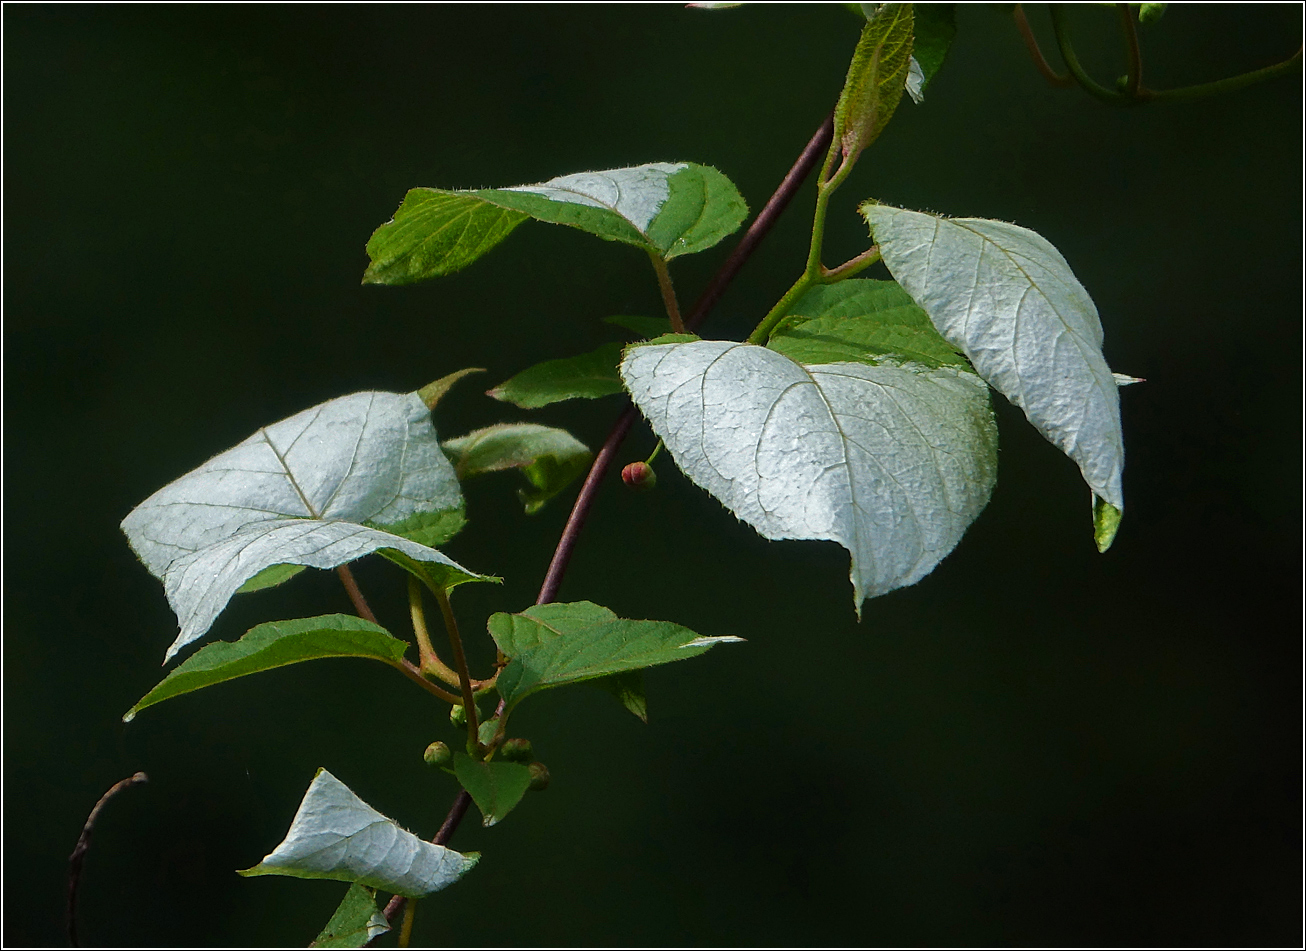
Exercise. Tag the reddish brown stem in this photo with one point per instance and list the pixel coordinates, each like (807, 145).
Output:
(78, 858)
(1036, 54)
(355, 594)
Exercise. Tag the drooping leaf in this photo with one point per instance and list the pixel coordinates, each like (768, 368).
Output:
(864, 321)
(647, 327)
(935, 27)
(876, 78)
(556, 644)
(495, 787)
(892, 462)
(270, 577)
(336, 835)
(588, 376)
(668, 209)
(356, 921)
(318, 489)
(275, 644)
(628, 688)
(1008, 299)
(549, 458)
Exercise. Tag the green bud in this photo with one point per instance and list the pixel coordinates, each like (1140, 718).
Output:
(1151, 12)
(516, 751)
(458, 715)
(438, 754)
(539, 776)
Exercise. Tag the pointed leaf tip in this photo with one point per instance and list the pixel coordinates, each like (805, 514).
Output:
(1106, 522)
(432, 393)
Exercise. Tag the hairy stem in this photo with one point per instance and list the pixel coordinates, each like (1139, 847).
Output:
(1035, 53)
(430, 660)
(460, 659)
(78, 858)
(406, 929)
(411, 671)
(668, 292)
(850, 267)
(355, 594)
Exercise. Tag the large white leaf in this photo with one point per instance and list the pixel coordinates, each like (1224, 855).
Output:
(1009, 301)
(891, 461)
(338, 836)
(296, 492)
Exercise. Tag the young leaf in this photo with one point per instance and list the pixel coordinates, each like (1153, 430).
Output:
(317, 489)
(892, 462)
(495, 787)
(556, 644)
(432, 393)
(876, 78)
(549, 458)
(588, 376)
(336, 835)
(275, 644)
(667, 209)
(356, 921)
(863, 321)
(1009, 300)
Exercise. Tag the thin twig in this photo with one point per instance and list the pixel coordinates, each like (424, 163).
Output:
(78, 858)
(668, 292)
(1036, 54)
(355, 595)
(411, 671)
(460, 662)
(1129, 28)
(762, 224)
(431, 662)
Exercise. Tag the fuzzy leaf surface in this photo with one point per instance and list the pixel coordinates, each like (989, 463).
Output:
(355, 922)
(318, 489)
(275, 644)
(549, 458)
(495, 787)
(1008, 299)
(588, 376)
(668, 209)
(336, 835)
(876, 77)
(556, 644)
(892, 462)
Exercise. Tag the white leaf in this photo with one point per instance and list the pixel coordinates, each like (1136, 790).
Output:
(1009, 301)
(294, 493)
(637, 194)
(336, 835)
(915, 81)
(891, 461)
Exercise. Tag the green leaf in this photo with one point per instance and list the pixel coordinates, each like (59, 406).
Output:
(1008, 299)
(876, 78)
(356, 921)
(628, 688)
(935, 28)
(269, 577)
(335, 835)
(863, 321)
(431, 529)
(667, 209)
(436, 232)
(1106, 522)
(276, 644)
(556, 644)
(588, 376)
(495, 787)
(549, 458)
(432, 393)
(647, 327)
(320, 489)
(1150, 12)
(892, 462)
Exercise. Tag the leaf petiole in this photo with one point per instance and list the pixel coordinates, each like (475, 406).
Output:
(430, 660)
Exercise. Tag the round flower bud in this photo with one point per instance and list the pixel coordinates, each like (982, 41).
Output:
(458, 715)
(516, 750)
(639, 475)
(438, 754)
(539, 776)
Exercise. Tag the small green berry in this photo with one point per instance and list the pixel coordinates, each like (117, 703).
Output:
(438, 754)
(517, 750)
(458, 715)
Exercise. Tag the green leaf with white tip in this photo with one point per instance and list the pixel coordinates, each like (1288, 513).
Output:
(891, 461)
(589, 376)
(864, 321)
(1008, 299)
(556, 644)
(876, 78)
(668, 209)
(276, 644)
(934, 27)
(494, 787)
(335, 835)
(548, 458)
(318, 489)
(356, 921)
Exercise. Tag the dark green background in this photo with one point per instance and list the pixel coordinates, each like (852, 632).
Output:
(1035, 744)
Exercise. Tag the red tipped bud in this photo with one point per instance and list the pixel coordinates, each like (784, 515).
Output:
(539, 776)
(639, 475)
(516, 750)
